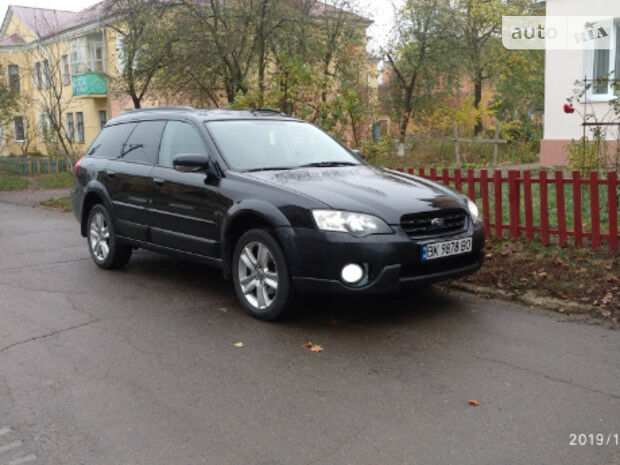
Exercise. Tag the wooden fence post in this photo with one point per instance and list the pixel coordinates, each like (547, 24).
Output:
(612, 201)
(577, 226)
(457, 178)
(527, 198)
(445, 173)
(559, 195)
(497, 180)
(544, 208)
(594, 210)
(513, 203)
(484, 192)
(471, 185)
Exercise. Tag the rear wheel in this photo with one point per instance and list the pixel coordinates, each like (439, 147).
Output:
(105, 251)
(261, 277)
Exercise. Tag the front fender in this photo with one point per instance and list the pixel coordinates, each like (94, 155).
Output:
(262, 210)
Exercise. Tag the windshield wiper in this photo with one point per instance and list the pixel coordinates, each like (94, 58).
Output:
(328, 164)
(271, 168)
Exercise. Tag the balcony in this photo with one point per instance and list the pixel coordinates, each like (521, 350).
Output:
(88, 78)
(89, 85)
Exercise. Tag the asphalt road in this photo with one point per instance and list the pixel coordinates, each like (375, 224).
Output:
(139, 367)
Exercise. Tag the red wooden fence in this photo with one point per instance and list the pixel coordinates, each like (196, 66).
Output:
(519, 190)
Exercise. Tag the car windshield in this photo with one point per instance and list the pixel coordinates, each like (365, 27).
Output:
(277, 145)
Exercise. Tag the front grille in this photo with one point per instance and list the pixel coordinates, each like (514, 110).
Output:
(434, 223)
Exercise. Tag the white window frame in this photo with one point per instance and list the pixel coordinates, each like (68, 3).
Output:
(66, 70)
(37, 74)
(80, 133)
(44, 124)
(70, 129)
(15, 129)
(589, 67)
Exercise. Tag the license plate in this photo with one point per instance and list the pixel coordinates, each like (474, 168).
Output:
(446, 249)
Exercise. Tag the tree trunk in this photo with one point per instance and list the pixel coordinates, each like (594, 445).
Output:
(477, 101)
(404, 124)
(136, 101)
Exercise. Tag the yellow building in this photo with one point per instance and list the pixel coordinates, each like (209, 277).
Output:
(63, 65)
(57, 61)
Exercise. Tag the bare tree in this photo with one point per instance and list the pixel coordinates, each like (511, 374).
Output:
(145, 42)
(422, 38)
(52, 95)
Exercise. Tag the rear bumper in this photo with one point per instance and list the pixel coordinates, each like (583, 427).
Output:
(76, 196)
(393, 261)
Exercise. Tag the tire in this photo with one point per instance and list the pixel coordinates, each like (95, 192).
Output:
(104, 249)
(255, 273)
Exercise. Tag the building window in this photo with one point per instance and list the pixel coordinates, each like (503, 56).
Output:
(37, 74)
(603, 65)
(46, 74)
(79, 118)
(70, 127)
(103, 118)
(19, 129)
(44, 125)
(66, 71)
(14, 78)
(42, 74)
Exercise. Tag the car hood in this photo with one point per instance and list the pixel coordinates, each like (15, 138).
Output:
(384, 193)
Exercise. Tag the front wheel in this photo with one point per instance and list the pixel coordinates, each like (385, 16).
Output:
(105, 251)
(261, 277)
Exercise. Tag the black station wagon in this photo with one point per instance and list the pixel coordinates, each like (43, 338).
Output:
(280, 206)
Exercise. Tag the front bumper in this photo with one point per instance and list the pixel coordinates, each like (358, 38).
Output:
(394, 262)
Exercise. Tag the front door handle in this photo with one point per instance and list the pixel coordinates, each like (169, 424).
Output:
(158, 181)
(110, 174)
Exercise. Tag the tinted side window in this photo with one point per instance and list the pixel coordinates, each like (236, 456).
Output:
(143, 142)
(180, 138)
(109, 142)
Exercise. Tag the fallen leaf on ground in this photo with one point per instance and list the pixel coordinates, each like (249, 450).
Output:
(489, 255)
(238, 344)
(474, 402)
(316, 348)
(307, 345)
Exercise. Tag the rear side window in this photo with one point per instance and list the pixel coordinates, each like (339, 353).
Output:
(109, 142)
(143, 143)
(180, 138)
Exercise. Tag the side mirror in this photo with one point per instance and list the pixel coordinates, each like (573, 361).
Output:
(359, 154)
(187, 163)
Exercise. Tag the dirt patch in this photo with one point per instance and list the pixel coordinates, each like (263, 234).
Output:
(563, 279)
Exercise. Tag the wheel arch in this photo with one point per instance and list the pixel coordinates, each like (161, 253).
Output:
(243, 217)
(94, 194)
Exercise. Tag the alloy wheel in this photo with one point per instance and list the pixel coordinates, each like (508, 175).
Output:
(99, 237)
(258, 275)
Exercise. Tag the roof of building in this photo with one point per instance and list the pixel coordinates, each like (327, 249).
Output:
(14, 39)
(45, 22)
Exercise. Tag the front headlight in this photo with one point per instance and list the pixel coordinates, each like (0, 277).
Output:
(358, 224)
(473, 210)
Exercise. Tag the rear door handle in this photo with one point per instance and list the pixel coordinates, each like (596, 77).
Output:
(158, 181)
(110, 174)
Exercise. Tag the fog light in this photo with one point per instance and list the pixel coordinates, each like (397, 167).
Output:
(352, 273)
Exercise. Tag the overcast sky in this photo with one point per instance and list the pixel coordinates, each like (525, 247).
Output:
(381, 11)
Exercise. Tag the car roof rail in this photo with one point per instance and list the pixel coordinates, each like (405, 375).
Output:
(170, 108)
(267, 110)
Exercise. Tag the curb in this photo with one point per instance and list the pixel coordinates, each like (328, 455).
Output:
(531, 298)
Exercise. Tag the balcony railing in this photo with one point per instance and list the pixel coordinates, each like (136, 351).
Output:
(89, 84)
